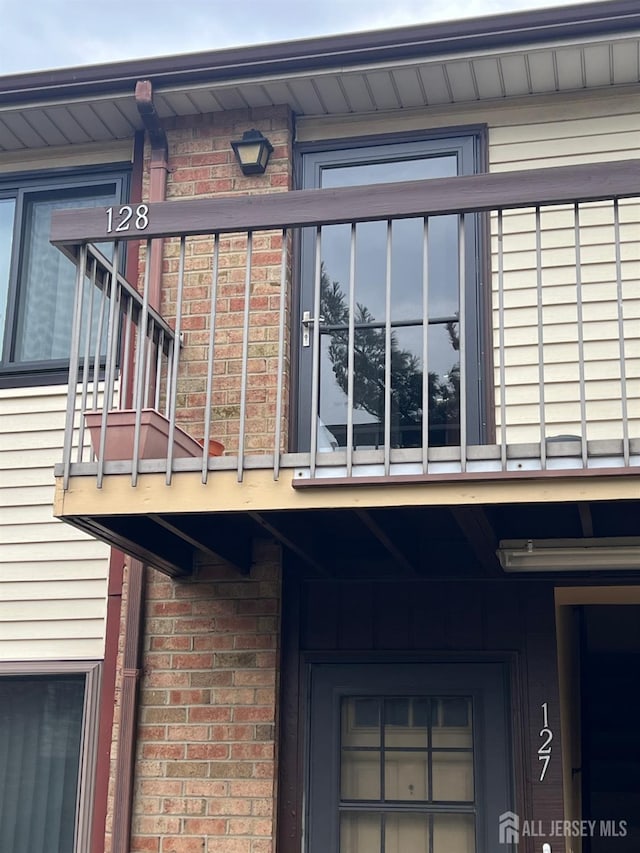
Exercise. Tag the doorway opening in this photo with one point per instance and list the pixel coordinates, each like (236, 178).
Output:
(601, 712)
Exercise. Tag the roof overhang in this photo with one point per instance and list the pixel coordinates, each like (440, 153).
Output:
(584, 48)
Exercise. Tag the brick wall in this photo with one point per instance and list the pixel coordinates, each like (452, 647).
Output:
(205, 771)
(202, 164)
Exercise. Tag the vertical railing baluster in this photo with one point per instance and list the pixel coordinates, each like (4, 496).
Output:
(540, 330)
(210, 357)
(580, 318)
(171, 348)
(126, 354)
(98, 350)
(176, 362)
(462, 346)
(112, 341)
(315, 357)
(501, 344)
(140, 352)
(280, 379)
(245, 357)
(425, 346)
(86, 359)
(148, 335)
(387, 352)
(74, 363)
(351, 337)
(113, 350)
(158, 376)
(623, 358)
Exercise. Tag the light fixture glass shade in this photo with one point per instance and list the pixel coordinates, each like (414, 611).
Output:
(569, 555)
(252, 152)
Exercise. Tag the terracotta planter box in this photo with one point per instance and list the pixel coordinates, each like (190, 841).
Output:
(154, 431)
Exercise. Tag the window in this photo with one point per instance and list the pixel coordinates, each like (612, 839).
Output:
(37, 282)
(406, 287)
(407, 758)
(45, 758)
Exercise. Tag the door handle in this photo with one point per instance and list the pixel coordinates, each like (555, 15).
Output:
(307, 323)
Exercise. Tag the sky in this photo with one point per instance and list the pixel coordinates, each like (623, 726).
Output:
(37, 35)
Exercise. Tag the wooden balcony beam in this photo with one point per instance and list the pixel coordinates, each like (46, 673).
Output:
(477, 530)
(432, 197)
(385, 540)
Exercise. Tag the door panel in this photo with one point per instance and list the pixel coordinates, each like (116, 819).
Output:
(407, 757)
(398, 283)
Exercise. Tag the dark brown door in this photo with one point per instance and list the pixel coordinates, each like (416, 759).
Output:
(407, 758)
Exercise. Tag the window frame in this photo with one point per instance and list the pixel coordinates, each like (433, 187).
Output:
(21, 186)
(92, 671)
(310, 159)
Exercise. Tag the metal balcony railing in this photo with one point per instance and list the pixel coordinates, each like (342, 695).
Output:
(542, 332)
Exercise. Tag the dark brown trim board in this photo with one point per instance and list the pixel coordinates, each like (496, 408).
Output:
(435, 196)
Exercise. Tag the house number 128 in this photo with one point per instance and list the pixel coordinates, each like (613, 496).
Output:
(126, 215)
(544, 751)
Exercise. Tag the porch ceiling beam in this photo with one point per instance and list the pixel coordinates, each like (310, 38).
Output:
(236, 553)
(480, 535)
(387, 543)
(301, 551)
(586, 519)
(436, 196)
(112, 531)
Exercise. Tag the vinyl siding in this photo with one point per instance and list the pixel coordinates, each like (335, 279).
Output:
(53, 579)
(558, 143)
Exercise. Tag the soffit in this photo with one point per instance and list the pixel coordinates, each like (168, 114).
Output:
(385, 87)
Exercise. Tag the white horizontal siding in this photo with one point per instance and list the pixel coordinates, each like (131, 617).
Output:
(53, 578)
(558, 403)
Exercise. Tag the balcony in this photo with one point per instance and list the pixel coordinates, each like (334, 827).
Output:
(535, 402)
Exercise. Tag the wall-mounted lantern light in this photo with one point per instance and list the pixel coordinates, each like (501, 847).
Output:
(252, 152)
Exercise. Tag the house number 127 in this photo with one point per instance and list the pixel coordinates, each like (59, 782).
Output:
(544, 750)
(125, 216)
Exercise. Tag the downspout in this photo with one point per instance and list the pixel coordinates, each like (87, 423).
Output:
(133, 631)
(158, 171)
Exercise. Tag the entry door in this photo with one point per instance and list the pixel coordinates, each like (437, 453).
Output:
(405, 284)
(407, 758)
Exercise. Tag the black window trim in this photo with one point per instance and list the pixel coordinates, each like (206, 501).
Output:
(18, 185)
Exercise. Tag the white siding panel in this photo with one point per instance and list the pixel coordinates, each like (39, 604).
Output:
(53, 578)
(562, 141)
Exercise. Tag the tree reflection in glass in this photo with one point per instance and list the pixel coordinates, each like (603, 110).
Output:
(406, 346)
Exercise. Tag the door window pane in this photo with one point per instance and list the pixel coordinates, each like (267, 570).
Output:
(390, 171)
(453, 777)
(7, 213)
(406, 833)
(359, 833)
(454, 833)
(360, 775)
(40, 735)
(406, 776)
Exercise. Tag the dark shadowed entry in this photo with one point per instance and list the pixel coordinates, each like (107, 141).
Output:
(407, 758)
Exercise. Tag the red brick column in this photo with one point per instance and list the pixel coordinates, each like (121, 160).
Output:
(205, 779)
